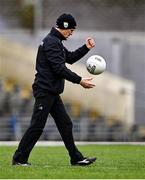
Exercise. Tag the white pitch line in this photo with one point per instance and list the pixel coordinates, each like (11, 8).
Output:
(60, 143)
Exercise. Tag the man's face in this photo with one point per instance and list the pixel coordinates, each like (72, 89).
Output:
(67, 32)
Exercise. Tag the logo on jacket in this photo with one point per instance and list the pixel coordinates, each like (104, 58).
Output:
(42, 43)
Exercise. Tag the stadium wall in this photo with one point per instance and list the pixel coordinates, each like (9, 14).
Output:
(113, 96)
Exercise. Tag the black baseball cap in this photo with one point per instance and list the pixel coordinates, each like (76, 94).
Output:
(66, 21)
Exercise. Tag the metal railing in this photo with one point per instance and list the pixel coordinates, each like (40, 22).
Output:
(84, 129)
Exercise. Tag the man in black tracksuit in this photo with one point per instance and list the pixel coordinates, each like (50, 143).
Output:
(47, 87)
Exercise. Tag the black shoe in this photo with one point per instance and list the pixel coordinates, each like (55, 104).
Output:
(20, 164)
(84, 162)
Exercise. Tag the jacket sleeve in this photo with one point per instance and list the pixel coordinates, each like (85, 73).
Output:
(55, 57)
(72, 57)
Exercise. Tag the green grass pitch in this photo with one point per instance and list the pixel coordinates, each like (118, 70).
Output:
(114, 162)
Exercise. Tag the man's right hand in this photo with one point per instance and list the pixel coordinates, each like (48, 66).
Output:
(86, 83)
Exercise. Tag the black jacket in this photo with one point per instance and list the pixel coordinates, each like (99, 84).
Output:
(50, 64)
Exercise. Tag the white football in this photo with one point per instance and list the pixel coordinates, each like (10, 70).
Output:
(96, 64)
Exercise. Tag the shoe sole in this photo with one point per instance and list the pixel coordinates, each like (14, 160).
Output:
(20, 164)
(85, 162)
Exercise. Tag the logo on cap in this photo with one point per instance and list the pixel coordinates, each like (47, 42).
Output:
(65, 24)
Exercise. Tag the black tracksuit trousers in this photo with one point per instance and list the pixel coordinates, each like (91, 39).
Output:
(43, 106)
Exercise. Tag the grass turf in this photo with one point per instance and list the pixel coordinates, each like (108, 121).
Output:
(114, 162)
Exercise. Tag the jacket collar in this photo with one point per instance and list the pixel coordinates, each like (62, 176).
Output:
(56, 33)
